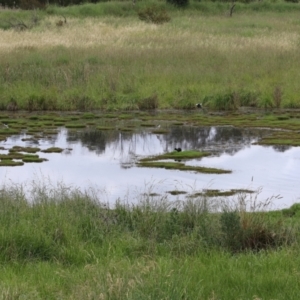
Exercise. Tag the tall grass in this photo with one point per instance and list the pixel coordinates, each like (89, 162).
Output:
(115, 62)
(59, 242)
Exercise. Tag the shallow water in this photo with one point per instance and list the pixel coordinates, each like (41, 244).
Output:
(105, 161)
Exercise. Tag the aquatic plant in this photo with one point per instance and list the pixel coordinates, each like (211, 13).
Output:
(187, 154)
(53, 150)
(181, 167)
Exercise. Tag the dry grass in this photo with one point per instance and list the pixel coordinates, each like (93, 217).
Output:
(113, 62)
(203, 32)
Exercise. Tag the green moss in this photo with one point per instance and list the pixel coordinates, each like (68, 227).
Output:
(181, 167)
(53, 150)
(189, 154)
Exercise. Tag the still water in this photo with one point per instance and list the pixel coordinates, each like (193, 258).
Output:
(106, 162)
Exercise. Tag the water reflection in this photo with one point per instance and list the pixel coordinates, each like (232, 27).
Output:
(107, 159)
(216, 139)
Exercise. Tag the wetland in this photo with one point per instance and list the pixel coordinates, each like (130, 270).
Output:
(123, 156)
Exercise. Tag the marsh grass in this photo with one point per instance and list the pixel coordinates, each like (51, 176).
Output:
(186, 155)
(181, 167)
(197, 57)
(152, 248)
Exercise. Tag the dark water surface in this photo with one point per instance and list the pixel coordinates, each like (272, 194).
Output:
(106, 161)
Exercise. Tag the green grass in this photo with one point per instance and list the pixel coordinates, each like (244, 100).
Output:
(222, 62)
(187, 154)
(10, 163)
(79, 248)
(53, 150)
(181, 167)
(282, 138)
(24, 149)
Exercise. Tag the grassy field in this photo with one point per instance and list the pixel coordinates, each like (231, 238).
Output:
(104, 57)
(59, 243)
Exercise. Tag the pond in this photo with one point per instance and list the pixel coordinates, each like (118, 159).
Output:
(106, 161)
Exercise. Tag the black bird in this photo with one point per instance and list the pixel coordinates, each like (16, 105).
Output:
(177, 149)
(199, 105)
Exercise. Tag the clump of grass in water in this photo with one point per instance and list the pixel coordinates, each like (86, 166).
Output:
(10, 163)
(75, 125)
(33, 159)
(188, 154)
(160, 131)
(181, 167)
(24, 149)
(53, 150)
(218, 193)
(105, 127)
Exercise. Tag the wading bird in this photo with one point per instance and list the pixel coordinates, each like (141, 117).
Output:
(177, 149)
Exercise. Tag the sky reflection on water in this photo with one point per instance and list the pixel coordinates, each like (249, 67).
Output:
(106, 160)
